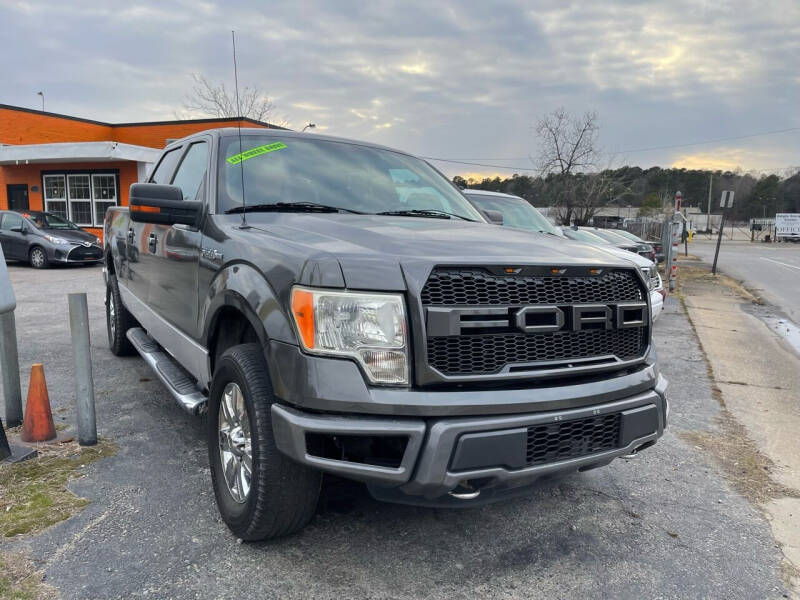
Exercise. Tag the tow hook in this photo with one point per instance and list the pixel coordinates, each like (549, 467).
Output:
(638, 449)
(465, 491)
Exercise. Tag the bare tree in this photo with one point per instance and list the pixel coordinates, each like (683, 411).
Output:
(218, 101)
(568, 160)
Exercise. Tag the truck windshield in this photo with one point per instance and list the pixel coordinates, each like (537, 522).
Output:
(348, 176)
(517, 212)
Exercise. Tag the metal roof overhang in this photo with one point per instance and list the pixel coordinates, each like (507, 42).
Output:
(76, 152)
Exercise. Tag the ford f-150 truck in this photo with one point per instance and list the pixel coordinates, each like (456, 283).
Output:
(339, 307)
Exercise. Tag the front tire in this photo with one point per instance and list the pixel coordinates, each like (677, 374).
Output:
(37, 257)
(118, 320)
(260, 493)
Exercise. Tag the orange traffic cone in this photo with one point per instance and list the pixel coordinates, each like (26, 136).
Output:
(38, 424)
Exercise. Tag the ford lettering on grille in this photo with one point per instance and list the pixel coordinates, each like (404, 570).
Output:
(481, 321)
(444, 321)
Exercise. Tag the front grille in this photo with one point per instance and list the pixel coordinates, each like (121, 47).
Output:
(446, 287)
(488, 354)
(85, 253)
(572, 439)
(485, 352)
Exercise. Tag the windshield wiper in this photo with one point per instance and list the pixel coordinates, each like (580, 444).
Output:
(424, 212)
(291, 206)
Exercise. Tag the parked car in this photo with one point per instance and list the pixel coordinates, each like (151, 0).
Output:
(620, 241)
(583, 235)
(340, 307)
(43, 238)
(515, 211)
(518, 212)
(658, 245)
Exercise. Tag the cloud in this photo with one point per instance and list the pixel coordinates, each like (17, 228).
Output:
(452, 78)
(729, 159)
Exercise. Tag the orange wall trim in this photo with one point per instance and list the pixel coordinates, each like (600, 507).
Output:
(23, 126)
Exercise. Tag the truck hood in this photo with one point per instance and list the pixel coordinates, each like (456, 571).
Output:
(374, 251)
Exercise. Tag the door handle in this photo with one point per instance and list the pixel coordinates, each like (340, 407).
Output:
(152, 241)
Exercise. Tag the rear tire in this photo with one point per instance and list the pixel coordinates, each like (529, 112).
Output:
(118, 320)
(275, 496)
(37, 258)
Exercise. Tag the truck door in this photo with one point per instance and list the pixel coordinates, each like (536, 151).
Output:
(140, 249)
(173, 289)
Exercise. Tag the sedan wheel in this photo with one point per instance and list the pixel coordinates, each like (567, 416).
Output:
(38, 258)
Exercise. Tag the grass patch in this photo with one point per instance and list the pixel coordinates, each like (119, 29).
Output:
(19, 580)
(34, 494)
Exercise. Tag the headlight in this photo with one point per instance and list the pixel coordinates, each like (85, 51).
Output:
(370, 328)
(651, 276)
(97, 241)
(54, 239)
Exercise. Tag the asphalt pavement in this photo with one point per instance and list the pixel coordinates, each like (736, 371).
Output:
(773, 270)
(663, 525)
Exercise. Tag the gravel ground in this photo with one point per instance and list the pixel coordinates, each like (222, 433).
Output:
(664, 525)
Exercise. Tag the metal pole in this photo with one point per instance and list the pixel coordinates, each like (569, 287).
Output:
(708, 216)
(84, 384)
(719, 241)
(685, 236)
(9, 361)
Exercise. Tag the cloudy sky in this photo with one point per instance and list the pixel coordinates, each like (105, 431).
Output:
(459, 80)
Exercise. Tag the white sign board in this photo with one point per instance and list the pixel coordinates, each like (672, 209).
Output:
(726, 201)
(7, 300)
(787, 224)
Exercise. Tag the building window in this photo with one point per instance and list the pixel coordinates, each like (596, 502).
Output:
(104, 189)
(55, 195)
(82, 198)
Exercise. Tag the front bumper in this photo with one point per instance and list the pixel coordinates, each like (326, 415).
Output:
(487, 454)
(74, 254)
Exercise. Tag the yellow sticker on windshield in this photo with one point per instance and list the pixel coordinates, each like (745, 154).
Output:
(253, 152)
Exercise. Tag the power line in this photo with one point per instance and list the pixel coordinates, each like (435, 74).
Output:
(467, 161)
(725, 139)
(461, 162)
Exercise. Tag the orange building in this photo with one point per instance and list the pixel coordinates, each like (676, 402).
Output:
(77, 167)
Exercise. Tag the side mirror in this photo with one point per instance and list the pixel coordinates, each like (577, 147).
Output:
(495, 216)
(162, 204)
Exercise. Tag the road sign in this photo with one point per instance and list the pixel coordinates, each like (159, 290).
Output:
(787, 224)
(726, 201)
(678, 199)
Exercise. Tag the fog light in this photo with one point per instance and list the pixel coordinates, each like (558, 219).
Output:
(387, 366)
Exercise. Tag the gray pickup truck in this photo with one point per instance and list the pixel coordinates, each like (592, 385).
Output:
(339, 307)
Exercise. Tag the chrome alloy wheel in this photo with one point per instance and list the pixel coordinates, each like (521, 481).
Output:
(235, 444)
(112, 313)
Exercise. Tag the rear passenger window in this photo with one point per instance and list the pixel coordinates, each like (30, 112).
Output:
(10, 220)
(163, 172)
(192, 171)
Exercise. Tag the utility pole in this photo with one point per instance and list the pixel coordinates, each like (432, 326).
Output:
(708, 216)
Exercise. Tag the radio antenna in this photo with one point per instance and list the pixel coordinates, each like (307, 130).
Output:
(244, 224)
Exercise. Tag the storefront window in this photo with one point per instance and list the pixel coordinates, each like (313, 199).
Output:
(82, 198)
(55, 195)
(104, 188)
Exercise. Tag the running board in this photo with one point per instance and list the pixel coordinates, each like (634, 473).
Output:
(179, 384)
